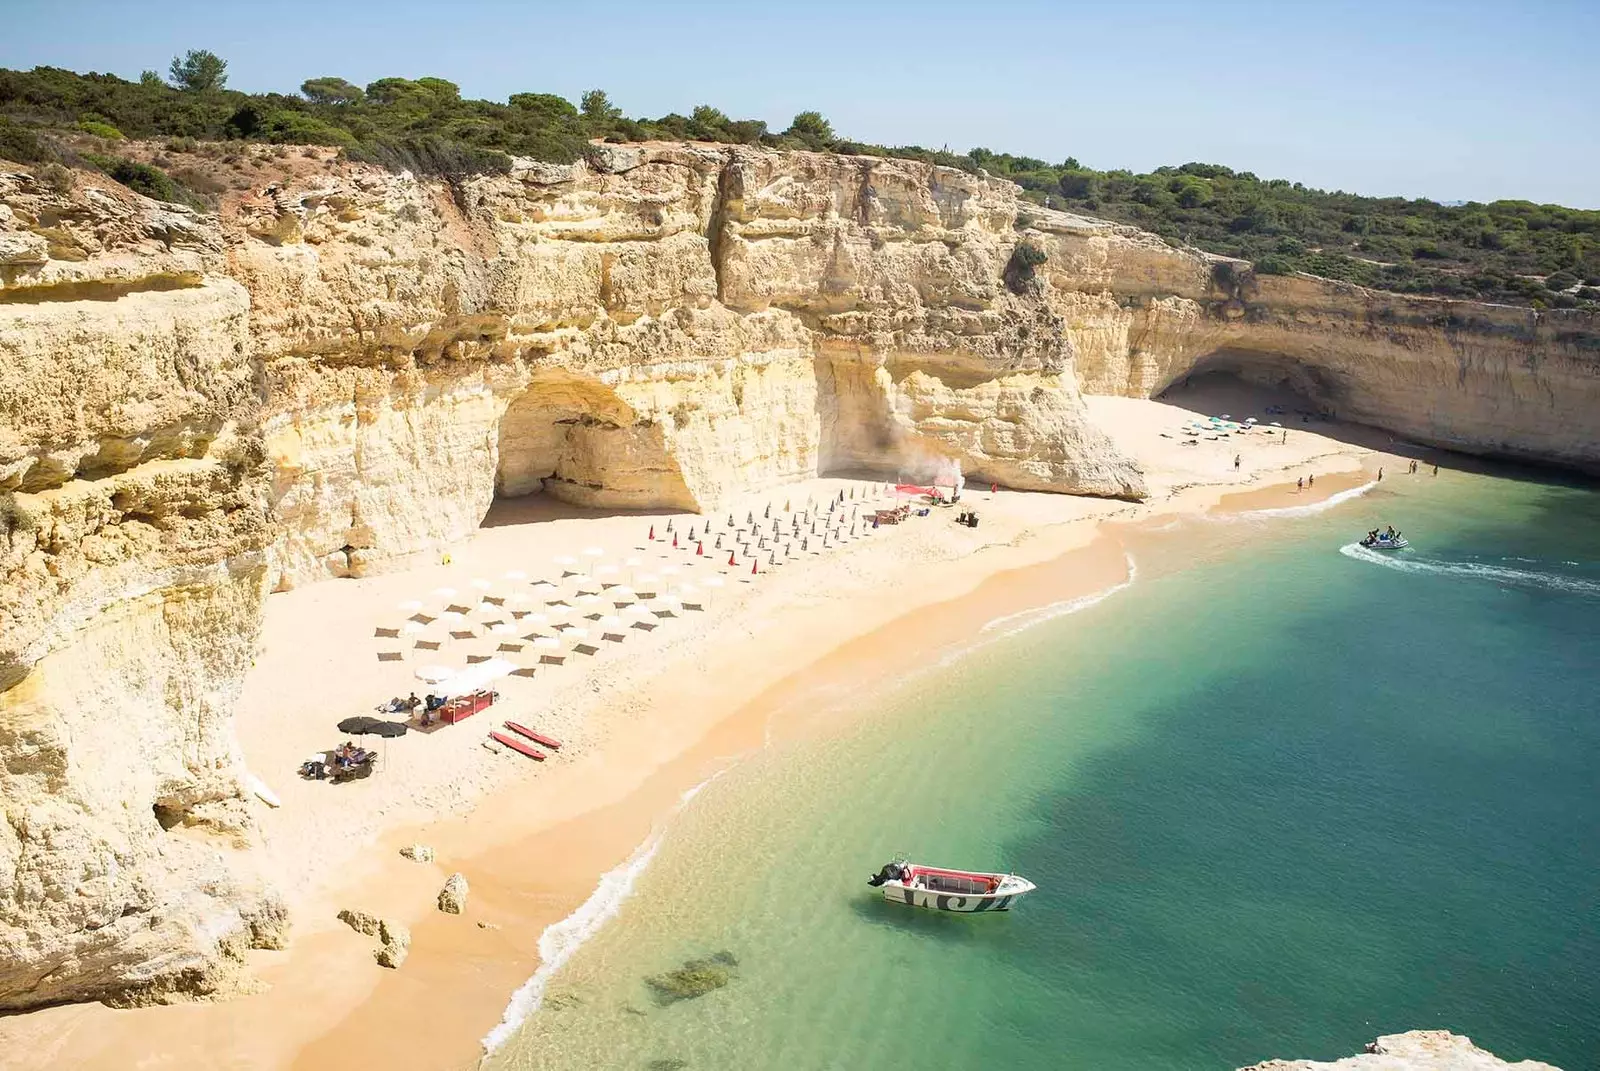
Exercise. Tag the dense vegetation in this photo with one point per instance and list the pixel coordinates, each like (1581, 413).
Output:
(1514, 251)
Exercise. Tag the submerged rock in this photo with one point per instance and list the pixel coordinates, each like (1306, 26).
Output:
(419, 853)
(453, 897)
(695, 978)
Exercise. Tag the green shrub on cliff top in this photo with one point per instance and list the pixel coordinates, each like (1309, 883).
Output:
(1483, 251)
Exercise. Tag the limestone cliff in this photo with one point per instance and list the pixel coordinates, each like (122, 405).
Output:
(1416, 1050)
(658, 326)
(132, 561)
(345, 367)
(1485, 379)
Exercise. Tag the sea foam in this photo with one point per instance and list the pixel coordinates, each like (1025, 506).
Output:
(1530, 578)
(561, 940)
(1011, 624)
(1312, 508)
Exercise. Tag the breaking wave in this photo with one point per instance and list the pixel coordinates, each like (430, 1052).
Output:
(1499, 574)
(1011, 624)
(1338, 499)
(561, 940)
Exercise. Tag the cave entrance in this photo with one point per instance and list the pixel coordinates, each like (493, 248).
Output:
(1245, 383)
(573, 438)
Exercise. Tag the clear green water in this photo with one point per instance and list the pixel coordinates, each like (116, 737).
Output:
(1278, 800)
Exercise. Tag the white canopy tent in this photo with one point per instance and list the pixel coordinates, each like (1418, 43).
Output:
(476, 676)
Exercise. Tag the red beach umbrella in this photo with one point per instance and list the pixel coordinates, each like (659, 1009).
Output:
(652, 533)
(732, 560)
(700, 549)
(753, 568)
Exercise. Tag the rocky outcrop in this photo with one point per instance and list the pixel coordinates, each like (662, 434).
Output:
(132, 566)
(660, 326)
(1417, 1050)
(348, 367)
(453, 897)
(1485, 379)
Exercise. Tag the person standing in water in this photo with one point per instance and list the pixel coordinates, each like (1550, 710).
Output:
(1380, 472)
(1436, 470)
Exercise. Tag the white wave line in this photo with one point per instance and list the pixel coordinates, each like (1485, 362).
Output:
(1039, 614)
(1470, 570)
(561, 940)
(1333, 500)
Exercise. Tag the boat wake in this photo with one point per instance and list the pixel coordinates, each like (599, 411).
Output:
(1011, 624)
(561, 940)
(1312, 508)
(1499, 574)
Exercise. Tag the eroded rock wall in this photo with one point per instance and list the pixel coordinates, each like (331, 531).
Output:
(132, 540)
(659, 326)
(1483, 379)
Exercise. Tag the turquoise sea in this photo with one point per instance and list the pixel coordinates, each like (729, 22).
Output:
(1279, 799)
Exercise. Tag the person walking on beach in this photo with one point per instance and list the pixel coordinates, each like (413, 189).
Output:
(1436, 470)
(1311, 480)
(1300, 485)
(1235, 462)
(1380, 472)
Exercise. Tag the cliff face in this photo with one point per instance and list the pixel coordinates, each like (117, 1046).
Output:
(132, 540)
(1416, 1050)
(1482, 379)
(657, 327)
(345, 368)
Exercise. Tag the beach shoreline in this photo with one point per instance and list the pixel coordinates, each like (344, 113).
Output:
(534, 847)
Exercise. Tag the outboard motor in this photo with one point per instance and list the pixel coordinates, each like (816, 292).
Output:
(890, 872)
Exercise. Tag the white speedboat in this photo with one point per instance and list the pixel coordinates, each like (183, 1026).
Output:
(1385, 541)
(942, 889)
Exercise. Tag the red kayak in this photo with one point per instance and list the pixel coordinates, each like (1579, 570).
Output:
(517, 745)
(523, 730)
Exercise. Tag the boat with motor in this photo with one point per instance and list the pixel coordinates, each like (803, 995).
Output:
(1387, 540)
(943, 889)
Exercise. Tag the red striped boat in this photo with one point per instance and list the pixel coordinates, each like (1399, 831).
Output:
(516, 745)
(537, 738)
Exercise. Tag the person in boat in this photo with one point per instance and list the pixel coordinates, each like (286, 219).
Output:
(1389, 534)
(1372, 536)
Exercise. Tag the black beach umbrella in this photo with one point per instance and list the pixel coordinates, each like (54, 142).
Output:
(359, 725)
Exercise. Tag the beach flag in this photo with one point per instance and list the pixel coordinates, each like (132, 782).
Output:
(700, 549)
(674, 540)
(652, 533)
(752, 568)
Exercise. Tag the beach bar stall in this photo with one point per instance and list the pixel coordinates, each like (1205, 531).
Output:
(469, 691)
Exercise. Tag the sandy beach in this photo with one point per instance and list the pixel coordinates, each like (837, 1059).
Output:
(642, 720)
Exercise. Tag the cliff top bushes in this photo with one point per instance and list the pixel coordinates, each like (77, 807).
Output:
(1508, 251)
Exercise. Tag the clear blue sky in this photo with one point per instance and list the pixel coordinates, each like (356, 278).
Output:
(1463, 100)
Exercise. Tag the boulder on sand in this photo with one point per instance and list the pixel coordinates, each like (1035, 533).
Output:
(419, 853)
(453, 897)
(360, 921)
(396, 944)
